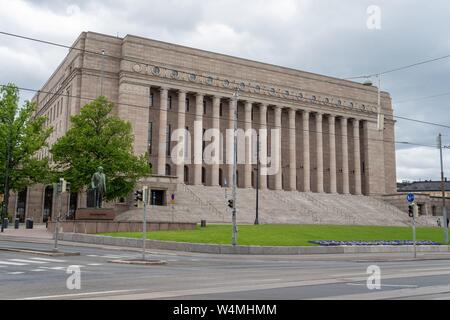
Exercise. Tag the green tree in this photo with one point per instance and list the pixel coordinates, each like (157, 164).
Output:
(21, 135)
(97, 138)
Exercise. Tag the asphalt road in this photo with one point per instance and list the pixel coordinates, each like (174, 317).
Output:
(219, 277)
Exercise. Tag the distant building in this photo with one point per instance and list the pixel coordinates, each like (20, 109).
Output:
(428, 196)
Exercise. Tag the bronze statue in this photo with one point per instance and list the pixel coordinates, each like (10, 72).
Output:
(98, 184)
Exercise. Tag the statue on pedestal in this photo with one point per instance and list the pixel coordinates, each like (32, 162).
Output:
(98, 184)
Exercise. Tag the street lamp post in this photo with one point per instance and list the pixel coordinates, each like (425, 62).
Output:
(444, 209)
(234, 239)
(257, 179)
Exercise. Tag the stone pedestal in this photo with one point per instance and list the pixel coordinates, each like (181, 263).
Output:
(95, 214)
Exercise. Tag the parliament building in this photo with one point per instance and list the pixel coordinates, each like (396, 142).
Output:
(330, 143)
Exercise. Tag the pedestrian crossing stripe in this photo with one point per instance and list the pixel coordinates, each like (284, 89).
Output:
(12, 263)
(28, 261)
(49, 260)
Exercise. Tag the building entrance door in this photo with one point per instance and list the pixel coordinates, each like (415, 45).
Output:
(157, 197)
(48, 204)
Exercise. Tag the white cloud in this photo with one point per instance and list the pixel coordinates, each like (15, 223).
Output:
(421, 163)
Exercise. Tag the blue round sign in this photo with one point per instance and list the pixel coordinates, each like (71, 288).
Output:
(410, 197)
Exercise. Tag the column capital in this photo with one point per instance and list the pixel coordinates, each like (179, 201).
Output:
(200, 95)
(306, 112)
(248, 106)
(182, 91)
(164, 89)
(292, 111)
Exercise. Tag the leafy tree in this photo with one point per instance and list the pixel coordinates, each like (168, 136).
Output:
(98, 138)
(21, 136)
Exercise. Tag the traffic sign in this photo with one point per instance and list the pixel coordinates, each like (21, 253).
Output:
(410, 197)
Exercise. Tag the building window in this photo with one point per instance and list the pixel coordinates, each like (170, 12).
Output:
(170, 102)
(203, 175)
(150, 137)
(187, 104)
(203, 143)
(186, 174)
(168, 171)
(169, 131)
(221, 110)
(204, 106)
(151, 100)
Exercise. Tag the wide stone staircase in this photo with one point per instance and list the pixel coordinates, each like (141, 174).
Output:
(196, 203)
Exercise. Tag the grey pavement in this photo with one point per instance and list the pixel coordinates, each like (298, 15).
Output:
(209, 276)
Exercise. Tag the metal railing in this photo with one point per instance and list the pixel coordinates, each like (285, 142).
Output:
(203, 203)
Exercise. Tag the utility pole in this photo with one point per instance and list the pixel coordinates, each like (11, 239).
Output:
(234, 241)
(257, 179)
(444, 209)
(4, 212)
(380, 115)
(102, 71)
(144, 226)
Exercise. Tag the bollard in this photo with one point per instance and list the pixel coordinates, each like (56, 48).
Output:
(29, 224)
(203, 223)
(5, 223)
(16, 223)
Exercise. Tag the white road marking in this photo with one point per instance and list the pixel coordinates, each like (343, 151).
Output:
(79, 294)
(427, 269)
(15, 273)
(37, 270)
(95, 264)
(54, 268)
(92, 255)
(385, 285)
(12, 263)
(28, 261)
(49, 260)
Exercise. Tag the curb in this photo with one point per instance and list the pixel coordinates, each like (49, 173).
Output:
(42, 253)
(140, 262)
(244, 250)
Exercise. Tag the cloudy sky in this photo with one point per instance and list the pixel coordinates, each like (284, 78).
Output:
(330, 37)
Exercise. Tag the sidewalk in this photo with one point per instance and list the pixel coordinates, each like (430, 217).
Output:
(38, 232)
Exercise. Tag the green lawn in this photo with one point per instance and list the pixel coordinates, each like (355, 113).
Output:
(287, 235)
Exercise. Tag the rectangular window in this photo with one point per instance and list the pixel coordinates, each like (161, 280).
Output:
(186, 142)
(170, 102)
(221, 109)
(150, 137)
(187, 104)
(169, 130)
(151, 99)
(204, 106)
(203, 144)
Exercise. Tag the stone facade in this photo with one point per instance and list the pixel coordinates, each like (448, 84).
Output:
(329, 137)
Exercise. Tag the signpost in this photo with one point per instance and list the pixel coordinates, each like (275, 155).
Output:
(144, 225)
(172, 203)
(410, 198)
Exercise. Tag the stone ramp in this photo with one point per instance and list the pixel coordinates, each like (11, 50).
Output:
(196, 203)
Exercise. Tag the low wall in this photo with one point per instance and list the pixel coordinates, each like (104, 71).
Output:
(94, 227)
(245, 250)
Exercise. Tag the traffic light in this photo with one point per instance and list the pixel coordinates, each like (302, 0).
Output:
(230, 203)
(138, 197)
(411, 210)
